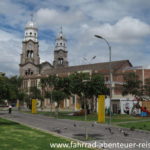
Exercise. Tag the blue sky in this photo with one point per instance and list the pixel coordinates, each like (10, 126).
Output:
(124, 23)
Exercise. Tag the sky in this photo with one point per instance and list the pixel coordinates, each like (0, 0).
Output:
(124, 23)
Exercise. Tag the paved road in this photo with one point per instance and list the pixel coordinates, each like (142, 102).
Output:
(75, 129)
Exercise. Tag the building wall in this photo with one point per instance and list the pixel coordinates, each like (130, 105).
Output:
(25, 67)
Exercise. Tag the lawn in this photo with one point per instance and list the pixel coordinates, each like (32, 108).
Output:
(143, 125)
(14, 136)
(93, 117)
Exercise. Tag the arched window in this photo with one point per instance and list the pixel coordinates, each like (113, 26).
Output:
(30, 54)
(60, 61)
(28, 72)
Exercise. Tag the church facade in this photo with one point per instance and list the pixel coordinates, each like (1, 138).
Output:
(30, 60)
(32, 70)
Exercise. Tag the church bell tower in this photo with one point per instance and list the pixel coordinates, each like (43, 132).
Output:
(60, 51)
(30, 60)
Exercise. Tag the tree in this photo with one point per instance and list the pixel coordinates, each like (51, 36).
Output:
(61, 88)
(88, 87)
(96, 86)
(3, 88)
(44, 86)
(77, 83)
(132, 85)
(58, 96)
(63, 84)
(35, 93)
(10, 88)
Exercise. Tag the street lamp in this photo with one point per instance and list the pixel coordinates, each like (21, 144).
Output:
(110, 73)
(87, 60)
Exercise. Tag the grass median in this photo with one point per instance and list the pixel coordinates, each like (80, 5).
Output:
(143, 125)
(14, 136)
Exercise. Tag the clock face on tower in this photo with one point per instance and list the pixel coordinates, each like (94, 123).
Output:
(60, 53)
(30, 46)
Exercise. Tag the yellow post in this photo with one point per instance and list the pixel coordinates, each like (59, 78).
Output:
(17, 104)
(34, 102)
(78, 106)
(101, 108)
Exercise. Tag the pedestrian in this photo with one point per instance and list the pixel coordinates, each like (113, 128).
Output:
(10, 109)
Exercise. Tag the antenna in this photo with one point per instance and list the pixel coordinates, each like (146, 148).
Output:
(61, 29)
(31, 16)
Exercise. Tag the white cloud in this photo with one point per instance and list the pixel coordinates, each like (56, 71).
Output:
(48, 17)
(13, 13)
(10, 50)
(123, 23)
(46, 51)
(126, 30)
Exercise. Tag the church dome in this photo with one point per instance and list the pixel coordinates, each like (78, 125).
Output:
(31, 24)
(31, 31)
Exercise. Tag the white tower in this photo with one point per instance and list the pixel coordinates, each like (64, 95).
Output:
(60, 51)
(30, 60)
(31, 31)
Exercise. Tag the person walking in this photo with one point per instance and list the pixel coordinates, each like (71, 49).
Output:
(10, 109)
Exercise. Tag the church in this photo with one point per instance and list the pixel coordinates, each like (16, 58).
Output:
(32, 70)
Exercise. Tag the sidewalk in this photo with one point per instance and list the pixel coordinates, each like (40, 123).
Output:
(76, 129)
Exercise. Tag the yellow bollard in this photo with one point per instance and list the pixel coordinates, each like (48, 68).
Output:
(34, 102)
(17, 104)
(101, 108)
(78, 106)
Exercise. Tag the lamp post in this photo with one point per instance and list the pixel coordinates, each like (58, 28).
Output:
(110, 74)
(87, 60)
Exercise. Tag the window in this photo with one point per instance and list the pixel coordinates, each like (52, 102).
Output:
(30, 33)
(61, 44)
(60, 61)
(30, 54)
(28, 72)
